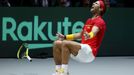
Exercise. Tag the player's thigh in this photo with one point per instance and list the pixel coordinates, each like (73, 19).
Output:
(73, 46)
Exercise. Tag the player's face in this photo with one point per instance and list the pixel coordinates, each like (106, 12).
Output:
(95, 7)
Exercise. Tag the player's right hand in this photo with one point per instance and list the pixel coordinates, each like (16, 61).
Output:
(60, 36)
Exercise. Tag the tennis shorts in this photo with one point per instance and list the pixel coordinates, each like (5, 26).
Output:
(85, 54)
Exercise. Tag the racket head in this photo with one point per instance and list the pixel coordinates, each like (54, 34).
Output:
(21, 51)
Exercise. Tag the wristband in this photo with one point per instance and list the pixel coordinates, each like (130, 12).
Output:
(69, 37)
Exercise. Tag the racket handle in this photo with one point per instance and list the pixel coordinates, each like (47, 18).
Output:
(30, 59)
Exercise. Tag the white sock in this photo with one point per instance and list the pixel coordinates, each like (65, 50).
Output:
(65, 67)
(57, 67)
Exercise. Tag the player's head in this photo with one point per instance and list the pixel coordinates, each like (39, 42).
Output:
(98, 7)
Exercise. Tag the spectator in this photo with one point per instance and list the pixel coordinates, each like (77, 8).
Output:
(4, 3)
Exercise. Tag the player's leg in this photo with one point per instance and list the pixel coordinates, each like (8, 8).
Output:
(57, 55)
(57, 52)
(68, 47)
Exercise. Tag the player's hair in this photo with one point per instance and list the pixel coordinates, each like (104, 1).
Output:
(104, 8)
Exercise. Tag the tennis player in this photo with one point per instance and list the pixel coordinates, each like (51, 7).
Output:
(86, 51)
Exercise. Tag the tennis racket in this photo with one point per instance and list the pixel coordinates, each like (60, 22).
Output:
(23, 52)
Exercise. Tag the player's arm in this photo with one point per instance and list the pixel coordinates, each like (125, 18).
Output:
(69, 36)
(73, 36)
(78, 35)
(94, 31)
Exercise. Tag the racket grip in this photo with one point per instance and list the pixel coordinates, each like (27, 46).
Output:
(30, 59)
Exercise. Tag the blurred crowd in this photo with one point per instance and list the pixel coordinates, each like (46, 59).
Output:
(63, 3)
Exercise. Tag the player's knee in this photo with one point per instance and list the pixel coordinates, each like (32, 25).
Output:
(57, 46)
(65, 47)
(65, 43)
(57, 42)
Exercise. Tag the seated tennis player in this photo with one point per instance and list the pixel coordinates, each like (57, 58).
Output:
(86, 51)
